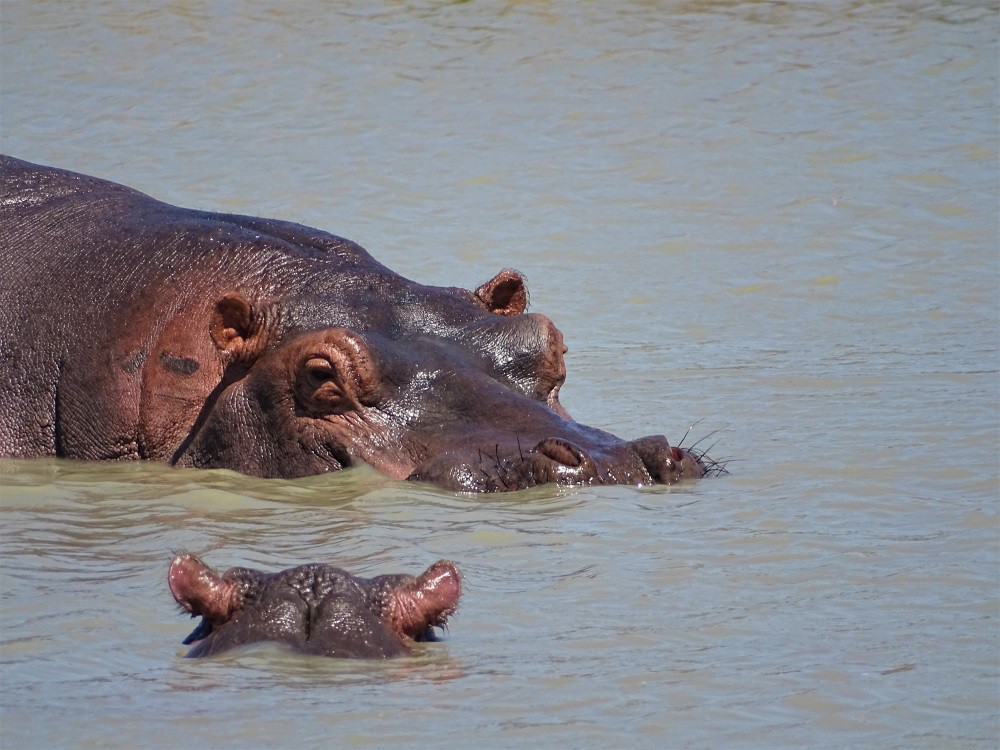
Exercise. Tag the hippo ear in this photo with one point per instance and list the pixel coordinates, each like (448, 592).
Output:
(200, 590)
(236, 326)
(504, 294)
(415, 604)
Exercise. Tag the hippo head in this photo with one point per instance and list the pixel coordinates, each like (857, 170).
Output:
(315, 609)
(455, 388)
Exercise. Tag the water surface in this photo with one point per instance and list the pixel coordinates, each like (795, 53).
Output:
(779, 219)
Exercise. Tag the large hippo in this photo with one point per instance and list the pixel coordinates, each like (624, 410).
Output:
(133, 329)
(316, 609)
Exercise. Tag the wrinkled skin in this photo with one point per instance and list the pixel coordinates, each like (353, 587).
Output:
(133, 329)
(315, 609)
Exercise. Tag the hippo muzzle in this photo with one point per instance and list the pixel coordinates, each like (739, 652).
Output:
(555, 460)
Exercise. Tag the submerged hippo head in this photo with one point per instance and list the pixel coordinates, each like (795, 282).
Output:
(467, 400)
(315, 609)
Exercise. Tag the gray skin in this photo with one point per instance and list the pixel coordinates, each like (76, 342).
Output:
(314, 609)
(133, 329)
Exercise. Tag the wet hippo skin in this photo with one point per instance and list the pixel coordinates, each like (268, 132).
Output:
(134, 329)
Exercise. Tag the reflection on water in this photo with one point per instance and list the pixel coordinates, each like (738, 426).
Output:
(776, 218)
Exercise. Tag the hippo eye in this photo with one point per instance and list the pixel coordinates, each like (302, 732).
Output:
(320, 387)
(318, 372)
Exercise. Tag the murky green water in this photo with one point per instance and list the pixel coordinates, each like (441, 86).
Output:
(777, 218)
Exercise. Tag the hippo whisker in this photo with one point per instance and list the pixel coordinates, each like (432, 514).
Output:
(709, 448)
(702, 439)
(688, 432)
(713, 467)
(503, 467)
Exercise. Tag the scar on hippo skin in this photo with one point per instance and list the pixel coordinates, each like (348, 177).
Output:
(314, 609)
(180, 365)
(133, 363)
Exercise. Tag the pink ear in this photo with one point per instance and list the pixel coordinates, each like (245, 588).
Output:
(504, 294)
(429, 599)
(198, 589)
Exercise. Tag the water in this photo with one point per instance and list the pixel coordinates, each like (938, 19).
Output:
(777, 218)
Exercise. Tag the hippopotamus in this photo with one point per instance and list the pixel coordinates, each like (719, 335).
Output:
(314, 609)
(134, 329)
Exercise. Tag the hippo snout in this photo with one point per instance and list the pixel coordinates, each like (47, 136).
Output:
(666, 463)
(662, 462)
(559, 460)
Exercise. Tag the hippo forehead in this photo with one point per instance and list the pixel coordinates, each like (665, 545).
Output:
(301, 598)
(418, 332)
(380, 301)
(312, 583)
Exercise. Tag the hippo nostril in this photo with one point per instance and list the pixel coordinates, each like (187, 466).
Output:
(666, 463)
(562, 452)
(662, 460)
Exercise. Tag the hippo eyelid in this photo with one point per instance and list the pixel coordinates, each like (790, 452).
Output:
(321, 384)
(318, 371)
